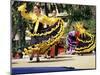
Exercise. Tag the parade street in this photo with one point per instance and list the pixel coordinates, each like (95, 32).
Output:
(79, 62)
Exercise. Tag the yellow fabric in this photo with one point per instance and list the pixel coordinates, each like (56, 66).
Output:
(50, 21)
(45, 21)
(46, 44)
(31, 16)
(79, 27)
(22, 7)
(34, 18)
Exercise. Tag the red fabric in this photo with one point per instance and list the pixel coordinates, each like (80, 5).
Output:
(77, 34)
(60, 50)
(52, 52)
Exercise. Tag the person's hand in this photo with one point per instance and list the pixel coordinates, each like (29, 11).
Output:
(22, 7)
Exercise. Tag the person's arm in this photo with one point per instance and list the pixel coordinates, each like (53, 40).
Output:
(23, 11)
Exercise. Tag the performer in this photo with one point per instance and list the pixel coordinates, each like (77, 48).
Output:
(85, 40)
(43, 28)
(71, 41)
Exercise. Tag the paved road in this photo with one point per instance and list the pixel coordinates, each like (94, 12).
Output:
(79, 62)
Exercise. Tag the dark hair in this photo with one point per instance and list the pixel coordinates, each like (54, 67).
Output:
(37, 5)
